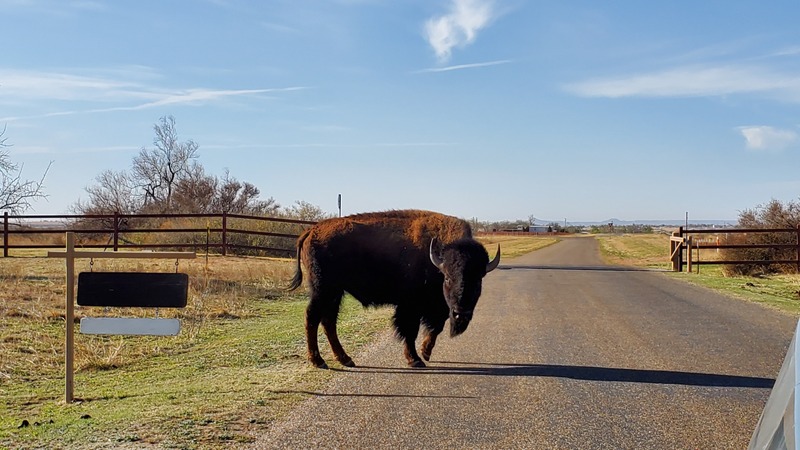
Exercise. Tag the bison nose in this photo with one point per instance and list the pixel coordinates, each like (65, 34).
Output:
(462, 315)
(459, 322)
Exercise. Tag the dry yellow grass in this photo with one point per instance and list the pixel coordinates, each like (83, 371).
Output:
(34, 290)
(238, 363)
(513, 246)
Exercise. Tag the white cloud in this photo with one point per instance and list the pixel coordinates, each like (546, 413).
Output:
(767, 138)
(694, 81)
(32, 85)
(465, 66)
(93, 94)
(53, 7)
(458, 27)
(206, 95)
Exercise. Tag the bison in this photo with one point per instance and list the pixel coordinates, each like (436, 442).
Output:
(424, 263)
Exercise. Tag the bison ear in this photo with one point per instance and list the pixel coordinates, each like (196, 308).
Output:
(436, 259)
(495, 262)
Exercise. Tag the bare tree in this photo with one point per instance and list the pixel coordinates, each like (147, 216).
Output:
(17, 193)
(303, 210)
(114, 192)
(234, 196)
(774, 214)
(168, 178)
(196, 192)
(158, 170)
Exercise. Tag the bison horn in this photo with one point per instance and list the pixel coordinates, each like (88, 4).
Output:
(495, 262)
(434, 254)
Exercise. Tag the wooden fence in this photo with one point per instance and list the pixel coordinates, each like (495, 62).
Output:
(223, 233)
(689, 242)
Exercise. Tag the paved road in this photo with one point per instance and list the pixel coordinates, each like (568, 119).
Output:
(563, 353)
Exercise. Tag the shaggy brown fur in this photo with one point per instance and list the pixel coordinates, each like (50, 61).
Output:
(419, 226)
(384, 258)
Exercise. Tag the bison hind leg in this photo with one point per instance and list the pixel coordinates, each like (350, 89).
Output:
(347, 362)
(318, 362)
(329, 325)
(329, 318)
(323, 307)
(312, 326)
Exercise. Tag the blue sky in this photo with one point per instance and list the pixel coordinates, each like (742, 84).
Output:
(495, 110)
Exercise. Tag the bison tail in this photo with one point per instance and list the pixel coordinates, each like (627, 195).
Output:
(297, 280)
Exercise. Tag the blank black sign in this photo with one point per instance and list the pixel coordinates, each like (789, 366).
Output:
(138, 289)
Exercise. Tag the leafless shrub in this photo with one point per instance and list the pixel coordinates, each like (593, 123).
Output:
(773, 215)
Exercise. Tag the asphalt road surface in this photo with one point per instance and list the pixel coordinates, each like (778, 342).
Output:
(563, 353)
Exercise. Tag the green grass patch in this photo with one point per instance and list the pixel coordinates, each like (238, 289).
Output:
(222, 385)
(513, 246)
(781, 292)
(641, 250)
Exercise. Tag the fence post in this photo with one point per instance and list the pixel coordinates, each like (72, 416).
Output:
(698, 256)
(680, 251)
(224, 233)
(116, 230)
(673, 254)
(69, 316)
(5, 234)
(689, 254)
(798, 248)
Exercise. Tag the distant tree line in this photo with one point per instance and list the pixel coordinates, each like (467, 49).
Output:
(557, 227)
(621, 229)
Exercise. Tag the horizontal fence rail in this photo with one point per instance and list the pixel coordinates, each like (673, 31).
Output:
(686, 243)
(221, 232)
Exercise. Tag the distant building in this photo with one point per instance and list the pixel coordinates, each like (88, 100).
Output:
(540, 229)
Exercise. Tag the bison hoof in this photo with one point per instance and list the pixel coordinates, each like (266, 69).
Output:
(319, 363)
(348, 362)
(417, 363)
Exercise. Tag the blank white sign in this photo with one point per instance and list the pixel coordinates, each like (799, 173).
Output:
(130, 326)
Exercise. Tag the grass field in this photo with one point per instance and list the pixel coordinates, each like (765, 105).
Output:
(781, 292)
(513, 246)
(238, 363)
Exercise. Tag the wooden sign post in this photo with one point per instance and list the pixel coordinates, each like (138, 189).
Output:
(117, 289)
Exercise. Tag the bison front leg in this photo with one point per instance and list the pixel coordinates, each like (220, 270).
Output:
(428, 343)
(406, 324)
(434, 324)
(411, 354)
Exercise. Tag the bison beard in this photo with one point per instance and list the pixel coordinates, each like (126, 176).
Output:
(424, 263)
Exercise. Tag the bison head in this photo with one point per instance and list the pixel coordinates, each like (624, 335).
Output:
(463, 263)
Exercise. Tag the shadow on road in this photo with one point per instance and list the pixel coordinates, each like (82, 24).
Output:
(328, 394)
(562, 267)
(587, 373)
